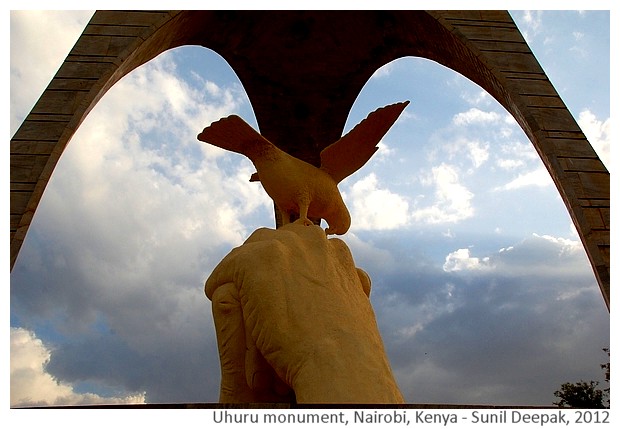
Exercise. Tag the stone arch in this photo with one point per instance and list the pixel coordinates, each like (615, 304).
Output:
(309, 66)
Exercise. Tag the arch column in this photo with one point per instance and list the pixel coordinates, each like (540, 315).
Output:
(102, 55)
(521, 85)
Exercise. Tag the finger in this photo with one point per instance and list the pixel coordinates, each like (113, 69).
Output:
(259, 374)
(226, 271)
(230, 332)
(262, 234)
(365, 279)
(218, 277)
(340, 252)
(262, 378)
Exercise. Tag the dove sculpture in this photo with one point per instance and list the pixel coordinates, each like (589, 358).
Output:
(295, 186)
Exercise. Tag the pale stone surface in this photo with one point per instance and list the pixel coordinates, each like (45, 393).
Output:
(292, 311)
(297, 187)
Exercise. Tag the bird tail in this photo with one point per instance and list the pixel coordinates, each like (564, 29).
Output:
(234, 134)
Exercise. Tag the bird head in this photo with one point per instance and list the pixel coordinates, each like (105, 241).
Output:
(339, 224)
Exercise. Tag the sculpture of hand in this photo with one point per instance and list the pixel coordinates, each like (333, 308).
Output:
(292, 314)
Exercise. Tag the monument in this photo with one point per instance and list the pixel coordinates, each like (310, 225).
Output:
(294, 322)
(290, 306)
(292, 312)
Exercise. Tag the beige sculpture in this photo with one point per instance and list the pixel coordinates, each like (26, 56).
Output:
(294, 320)
(292, 312)
(297, 187)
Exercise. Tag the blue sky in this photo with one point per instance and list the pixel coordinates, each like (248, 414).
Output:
(481, 287)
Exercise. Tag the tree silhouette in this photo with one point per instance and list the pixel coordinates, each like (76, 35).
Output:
(584, 394)
(607, 368)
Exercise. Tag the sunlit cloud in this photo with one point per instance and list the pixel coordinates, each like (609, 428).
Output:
(479, 98)
(544, 254)
(383, 71)
(475, 116)
(533, 18)
(462, 148)
(452, 200)
(539, 177)
(533, 23)
(139, 211)
(515, 154)
(510, 164)
(599, 135)
(461, 259)
(478, 153)
(31, 385)
(373, 207)
(30, 33)
(384, 152)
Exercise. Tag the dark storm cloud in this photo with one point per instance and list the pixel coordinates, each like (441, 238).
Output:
(117, 313)
(509, 330)
(137, 337)
(530, 315)
(180, 371)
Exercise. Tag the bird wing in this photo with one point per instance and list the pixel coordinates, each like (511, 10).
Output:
(353, 150)
(234, 134)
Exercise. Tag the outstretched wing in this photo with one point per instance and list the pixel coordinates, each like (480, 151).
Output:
(234, 134)
(354, 149)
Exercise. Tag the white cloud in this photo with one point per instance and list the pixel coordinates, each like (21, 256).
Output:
(478, 98)
(532, 18)
(33, 59)
(478, 152)
(533, 23)
(475, 116)
(565, 245)
(599, 135)
(452, 199)
(544, 256)
(461, 260)
(139, 211)
(508, 127)
(538, 255)
(516, 155)
(136, 214)
(31, 385)
(578, 35)
(143, 141)
(462, 148)
(539, 177)
(519, 150)
(375, 208)
(383, 71)
(510, 164)
(384, 151)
